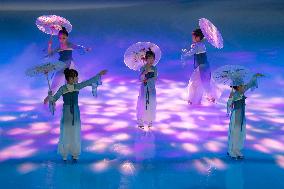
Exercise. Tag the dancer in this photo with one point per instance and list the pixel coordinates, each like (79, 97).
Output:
(65, 51)
(199, 83)
(70, 125)
(236, 109)
(146, 105)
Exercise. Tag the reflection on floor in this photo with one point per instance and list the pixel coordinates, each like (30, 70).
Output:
(186, 148)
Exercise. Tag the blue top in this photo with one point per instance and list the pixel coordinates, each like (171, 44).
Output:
(240, 104)
(66, 54)
(200, 59)
(237, 99)
(63, 90)
(150, 76)
(198, 50)
(70, 92)
(71, 98)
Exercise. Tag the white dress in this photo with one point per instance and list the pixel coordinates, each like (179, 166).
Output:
(146, 104)
(200, 83)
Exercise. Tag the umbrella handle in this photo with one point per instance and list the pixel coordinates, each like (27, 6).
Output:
(49, 49)
(50, 39)
(48, 81)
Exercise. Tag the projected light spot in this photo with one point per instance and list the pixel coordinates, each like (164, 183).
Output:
(27, 167)
(22, 150)
(100, 166)
(7, 118)
(190, 147)
(280, 160)
(127, 168)
(214, 146)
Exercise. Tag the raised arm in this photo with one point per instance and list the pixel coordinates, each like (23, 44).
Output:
(49, 48)
(50, 51)
(253, 84)
(190, 52)
(94, 80)
(143, 71)
(78, 47)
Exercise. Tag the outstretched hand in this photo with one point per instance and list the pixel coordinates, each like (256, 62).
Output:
(47, 98)
(103, 72)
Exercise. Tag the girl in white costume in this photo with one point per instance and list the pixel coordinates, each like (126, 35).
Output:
(200, 81)
(146, 104)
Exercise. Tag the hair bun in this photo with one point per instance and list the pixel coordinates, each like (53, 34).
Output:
(63, 31)
(63, 28)
(66, 70)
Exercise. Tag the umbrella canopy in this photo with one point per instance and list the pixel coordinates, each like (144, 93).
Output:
(232, 75)
(45, 68)
(134, 56)
(52, 24)
(211, 33)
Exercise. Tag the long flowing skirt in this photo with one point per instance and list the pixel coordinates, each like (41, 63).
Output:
(237, 132)
(70, 134)
(201, 85)
(146, 104)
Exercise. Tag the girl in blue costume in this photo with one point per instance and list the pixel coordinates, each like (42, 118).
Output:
(200, 80)
(65, 51)
(70, 125)
(146, 104)
(236, 107)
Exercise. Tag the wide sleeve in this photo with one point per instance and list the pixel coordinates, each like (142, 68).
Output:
(253, 84)
(94, 82)
(191, 51)
(155, 73)
(229, 105)
(141, 75)
(95, 86)
(81, 49)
